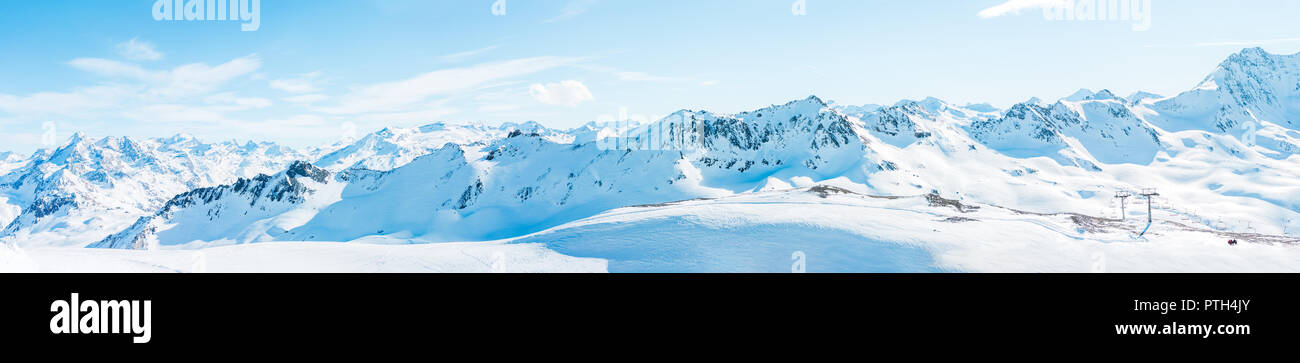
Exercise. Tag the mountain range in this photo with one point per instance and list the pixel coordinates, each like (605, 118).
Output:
(1222, 156)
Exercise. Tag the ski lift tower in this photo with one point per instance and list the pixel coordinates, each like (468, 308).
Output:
(1123, 196)
(1148, 193)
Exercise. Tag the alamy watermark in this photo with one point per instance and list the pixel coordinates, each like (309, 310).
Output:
(78, 316)
(799, 262)
(247, 11)
(680, 131)
(1250, 130)
(1098, 265)
(49, 134)
(498, 263)
(499, 8)
(1136, 11)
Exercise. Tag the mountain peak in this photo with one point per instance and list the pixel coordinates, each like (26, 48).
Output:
(77, 137)
(1253, 52)
(1104, 94)
(1080, 95)
(1142, 95)
(810, 101)
(1252, 58)
(302, 168)
(179, 138)
(814, 98)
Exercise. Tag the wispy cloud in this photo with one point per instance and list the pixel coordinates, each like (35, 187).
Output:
(84, 102)
(572, 10)
(303, 83)
(635, 76)
(234, 102)
(404, 94)
(1247, 43)
(1228, 43)
(644, 77)
(307, 98)
(112, 68)
(191, 96)
(136, 49)
(461, 56)
(182, 81)
(1014, 7)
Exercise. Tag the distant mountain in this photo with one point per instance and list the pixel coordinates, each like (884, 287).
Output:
(1098, 127)
(393, 147)
(88, 187)
(523, 182)
(1080, 95)
(223, 212)
(1142, 96)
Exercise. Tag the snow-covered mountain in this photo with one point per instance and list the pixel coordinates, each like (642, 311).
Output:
(89, 188)
(442, 183)
(1099, 127)
(527, 181)
(1142, 96)
(1251, 95)
(9, 161)
(393, 147)
(224, 211)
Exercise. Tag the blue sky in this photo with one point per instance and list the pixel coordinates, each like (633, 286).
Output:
(314, 70)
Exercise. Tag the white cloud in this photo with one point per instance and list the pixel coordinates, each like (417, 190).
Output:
(402, 95)
(456, 57)
(297, 121)
(135, 100)
(307, 98)
(493, 108)
(183, 81)
(303, 83)
(112, 68)
(643, 77)
(80, 103)
(235, 103)
(1229, 43)
(637, 76)
(175, 113)
(200, 78)
(566, 93)
(710, 83)
(572, 10)
(1247, 43)
(136, 49)
(425, 112)
(1016, 6)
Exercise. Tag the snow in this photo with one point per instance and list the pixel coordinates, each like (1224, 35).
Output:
(854, 188)
(393, 147)
(89, 188)
(836, 231)
(307, 257)
(856, 233)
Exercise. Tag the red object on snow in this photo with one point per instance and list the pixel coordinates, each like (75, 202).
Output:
(1232, 242)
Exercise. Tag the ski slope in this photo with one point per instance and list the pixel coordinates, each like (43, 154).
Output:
(831, 230)
(304, 257)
